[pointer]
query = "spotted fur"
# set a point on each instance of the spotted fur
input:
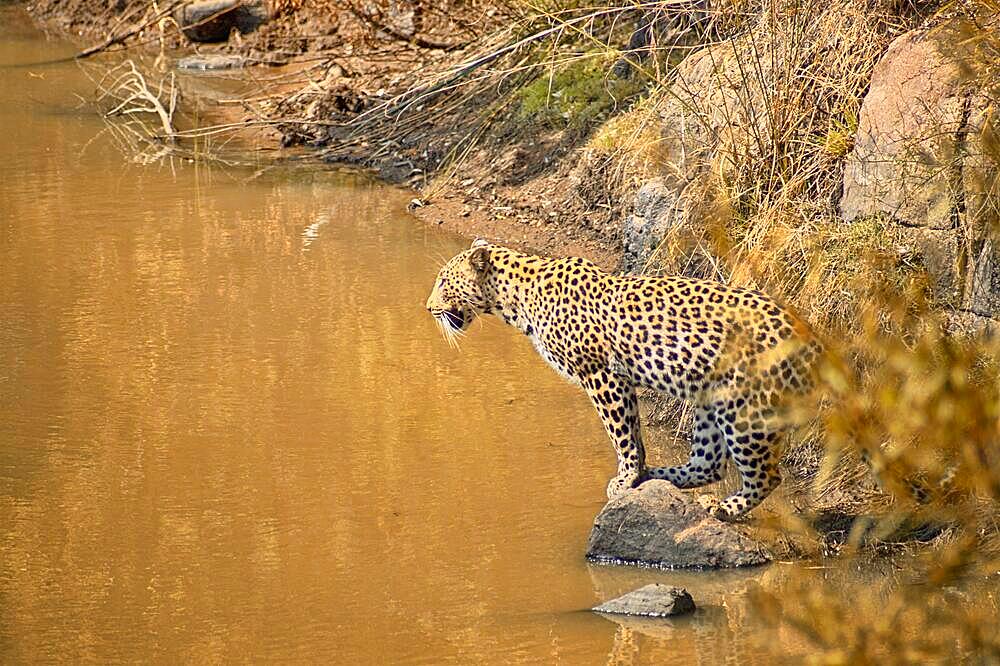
(735, 354)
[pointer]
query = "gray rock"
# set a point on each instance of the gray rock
(211, 62)
(658, 525)
(938, 251)
(664, 30)
(213, 20)
(657, 210)
(653, 600)
(969, 324)
(984, 293)
(922, 157)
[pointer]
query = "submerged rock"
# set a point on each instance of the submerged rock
(658, 525)
(653, 600)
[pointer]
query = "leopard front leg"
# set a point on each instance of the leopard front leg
(618, 408)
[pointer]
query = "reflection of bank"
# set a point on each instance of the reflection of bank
(723, 629)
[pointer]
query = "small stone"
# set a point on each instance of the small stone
(653, 600)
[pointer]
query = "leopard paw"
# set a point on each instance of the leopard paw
(713, 507)
(618, 486)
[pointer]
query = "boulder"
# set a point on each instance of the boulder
(658, 525)
(213, 20)
(717, 116)
(922, 159)
(904, 157)
(653, 600)
(710, 122)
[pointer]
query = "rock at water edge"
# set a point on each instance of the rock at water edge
(209, 63)
(658, 525)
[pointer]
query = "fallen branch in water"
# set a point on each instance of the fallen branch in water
(141, 114)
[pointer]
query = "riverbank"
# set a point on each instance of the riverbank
(319, 66)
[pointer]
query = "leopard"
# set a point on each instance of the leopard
(735, 355)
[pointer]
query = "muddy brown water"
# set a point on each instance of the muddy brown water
(230, 432)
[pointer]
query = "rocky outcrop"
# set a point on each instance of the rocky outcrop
(653, 600)
(924, 155)
(922, 159)
(658, 525)
(714, 124)
(213, 20)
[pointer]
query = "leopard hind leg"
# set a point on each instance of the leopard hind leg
(707, 461)
(754, 445)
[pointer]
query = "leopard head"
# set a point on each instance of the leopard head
(457, 296)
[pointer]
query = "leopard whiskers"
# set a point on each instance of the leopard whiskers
(450, 335)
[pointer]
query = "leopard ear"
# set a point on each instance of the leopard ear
(479, 258)
(480, 242)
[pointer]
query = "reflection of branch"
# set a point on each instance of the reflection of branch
(625, 650)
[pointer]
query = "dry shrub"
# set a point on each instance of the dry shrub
(893, 619)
